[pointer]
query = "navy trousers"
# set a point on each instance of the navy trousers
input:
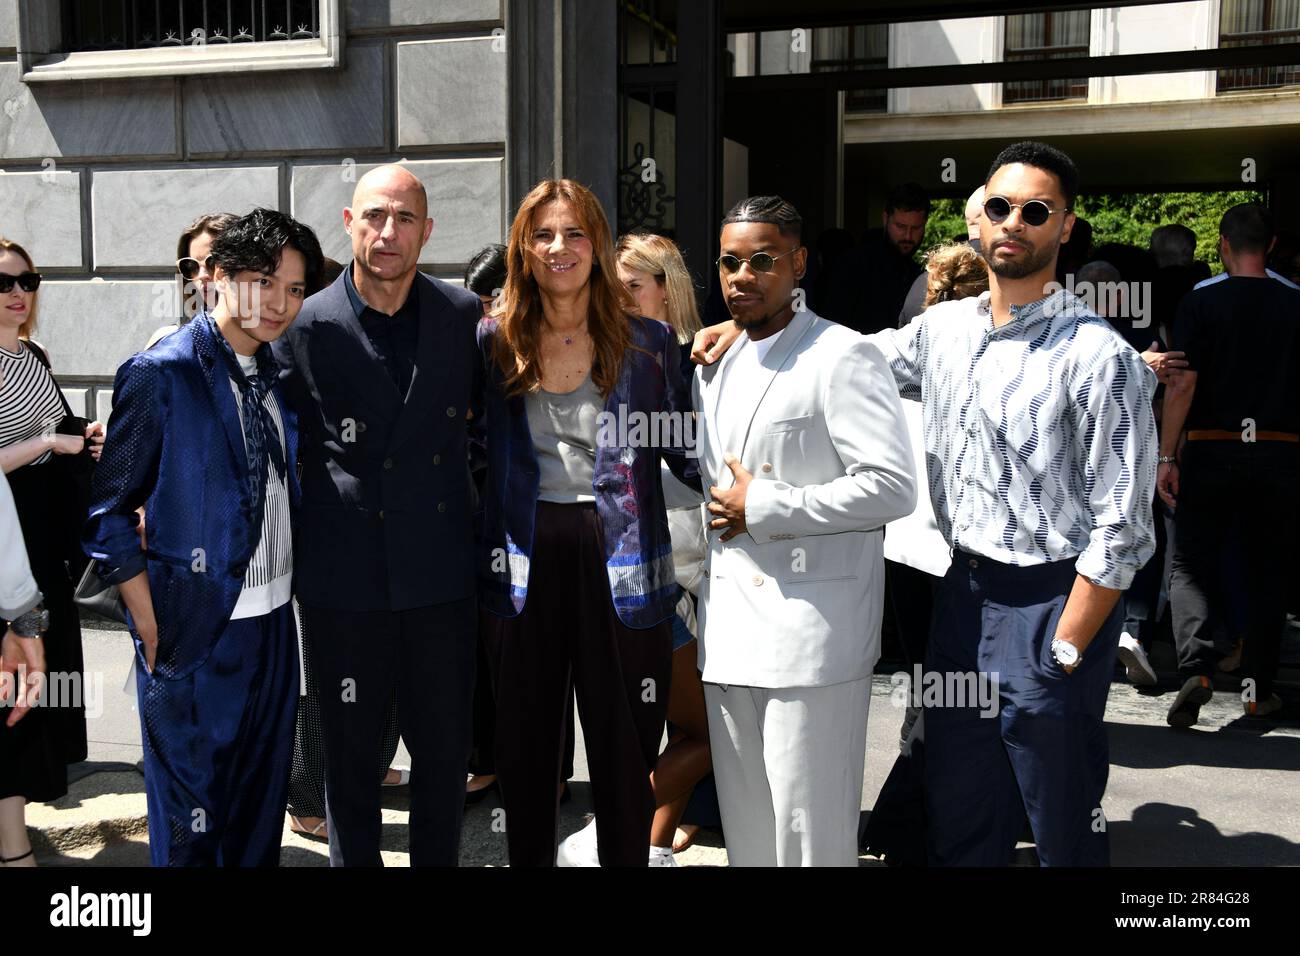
(362, 660)
(1044, 752)
(218, 747)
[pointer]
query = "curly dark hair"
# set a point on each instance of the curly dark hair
(1041, 156)
(254, 243)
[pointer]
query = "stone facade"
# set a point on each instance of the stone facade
(98, 178)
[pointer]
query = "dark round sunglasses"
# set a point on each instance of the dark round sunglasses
(189, 267)
(1032, 213)
(27, 281)
(759, 262)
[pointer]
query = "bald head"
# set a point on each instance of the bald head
(392, 179)
(389, 224)
(974, 209)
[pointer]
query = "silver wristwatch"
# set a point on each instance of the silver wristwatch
(1066, 654)
(32, 624)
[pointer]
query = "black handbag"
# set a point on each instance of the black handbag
(103, 599)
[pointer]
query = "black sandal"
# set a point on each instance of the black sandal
(14, 859)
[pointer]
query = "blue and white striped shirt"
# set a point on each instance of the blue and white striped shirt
(1040, 439)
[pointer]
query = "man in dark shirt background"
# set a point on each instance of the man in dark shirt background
(870, 281)
(1234, 484)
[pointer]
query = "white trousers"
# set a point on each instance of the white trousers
(788, 764)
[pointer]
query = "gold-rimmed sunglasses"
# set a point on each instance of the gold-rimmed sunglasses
(759, 262)
(1032, 213)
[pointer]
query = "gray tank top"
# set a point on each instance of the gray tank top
(564, 437)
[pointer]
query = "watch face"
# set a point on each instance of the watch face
(1066, 653)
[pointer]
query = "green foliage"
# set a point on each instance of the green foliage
(947, 221)
(1121, 217)
(1130, 217)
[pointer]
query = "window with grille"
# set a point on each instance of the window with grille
(1046, 36)
(144, 24)
(1255, 23)
(861, 47)
(104, 39)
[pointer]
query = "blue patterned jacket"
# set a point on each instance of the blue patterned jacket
(626, 481)
(176, 446)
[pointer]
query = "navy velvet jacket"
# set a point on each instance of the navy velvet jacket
(176, 446)
(626, 483)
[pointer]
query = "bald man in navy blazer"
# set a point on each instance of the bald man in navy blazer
(380, 367)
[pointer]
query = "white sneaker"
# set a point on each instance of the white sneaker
(1135, 662)
(662, 858)
(579, 849)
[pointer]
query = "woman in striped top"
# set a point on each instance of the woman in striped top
(35, 752)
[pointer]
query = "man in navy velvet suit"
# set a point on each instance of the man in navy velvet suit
(200, 437)
(380, 368)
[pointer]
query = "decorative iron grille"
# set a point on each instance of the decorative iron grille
(861, 47)
(93, 25)
(1258, 23)
(1046, 36)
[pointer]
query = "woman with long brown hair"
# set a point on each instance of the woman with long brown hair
(583, 400)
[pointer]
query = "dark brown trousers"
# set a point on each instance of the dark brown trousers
(570, 637)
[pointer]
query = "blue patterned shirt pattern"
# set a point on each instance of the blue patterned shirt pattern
(1040, 439)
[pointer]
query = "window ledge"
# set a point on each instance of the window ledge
(322, 53)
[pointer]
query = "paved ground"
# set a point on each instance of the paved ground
(1223, 794)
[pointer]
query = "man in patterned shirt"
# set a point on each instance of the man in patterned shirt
(1042, 446)
(1041, 451)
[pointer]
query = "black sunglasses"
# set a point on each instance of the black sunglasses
(189, 267)
(27, 281)
(759, 262)
(1032, 213)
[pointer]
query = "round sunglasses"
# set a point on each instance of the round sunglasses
(759, 262)
(1032, 213)
(189, 267)
(27, 281)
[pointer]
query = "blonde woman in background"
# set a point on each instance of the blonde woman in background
(652, 269)
(954, 271)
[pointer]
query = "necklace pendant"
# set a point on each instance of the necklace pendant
(568, 340)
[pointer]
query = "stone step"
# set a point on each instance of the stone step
(100, 810)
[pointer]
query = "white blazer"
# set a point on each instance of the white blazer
(796, 601)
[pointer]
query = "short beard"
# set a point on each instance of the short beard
(757, 324)
(764, 321)
(1018, 269)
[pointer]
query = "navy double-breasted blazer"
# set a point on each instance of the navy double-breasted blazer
(386, 522)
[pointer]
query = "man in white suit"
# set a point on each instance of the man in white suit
(805, 450)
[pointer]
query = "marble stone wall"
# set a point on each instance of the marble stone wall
(97, 179)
